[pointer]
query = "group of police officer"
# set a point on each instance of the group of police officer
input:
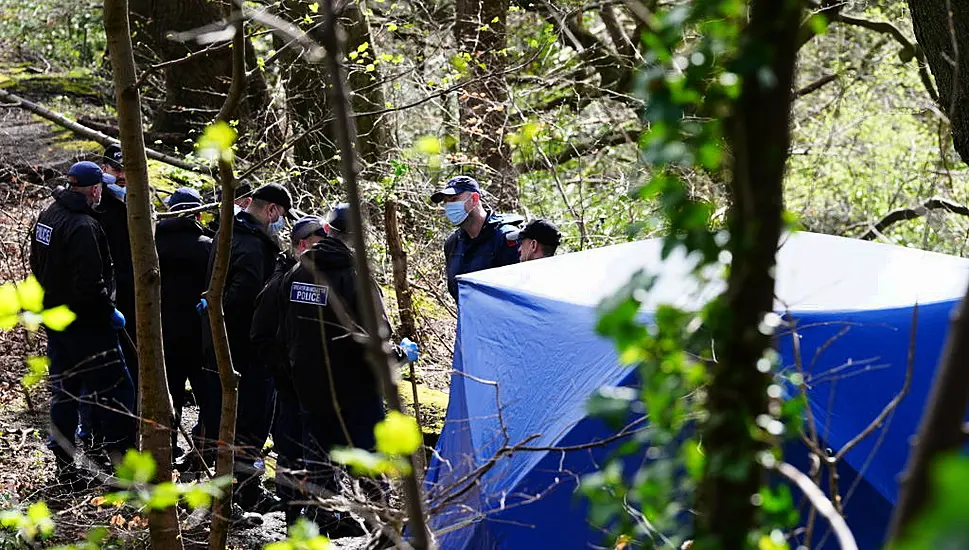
(292, 319)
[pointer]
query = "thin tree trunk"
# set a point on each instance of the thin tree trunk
(379, 359)
(155, 401)
(758, 135)
(941, 428)
(228, 377)
(479, 29)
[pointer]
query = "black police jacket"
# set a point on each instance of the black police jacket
(251, 260)
(268, 340)
(311, 295)
(70, 256)
(113, 215)
(489, 249)
(183, 257)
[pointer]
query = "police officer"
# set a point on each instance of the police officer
(538, 239)
(268, 343)
(251, 262)
(339, 394)
(183, 257)
(113, 214)
(70, 257)
(479, 242)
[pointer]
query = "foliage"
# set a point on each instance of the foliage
(66, 34)
(23, 303)
(136, 474)
(397, 436)
(942, 524)
(692, 75)
(303, 535)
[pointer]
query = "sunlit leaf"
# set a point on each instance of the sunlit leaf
(9, 302)
(428, 145)
(58, 318)
(216, 142)
(137, 467)
(314, 7)
(398, 434)
(31, 294)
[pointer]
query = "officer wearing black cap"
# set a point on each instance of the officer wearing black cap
(251, 262)
(538, 239)
(183, 258)
(70, 256)
(479, 242)
(267, 341)
(113, 214)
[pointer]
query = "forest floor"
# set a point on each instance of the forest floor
(33, 155)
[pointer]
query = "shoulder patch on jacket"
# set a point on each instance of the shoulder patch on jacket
(42, 233)
(306, 293)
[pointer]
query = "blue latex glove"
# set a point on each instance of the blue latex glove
(410, 347)
(202, 306)
(117, 320)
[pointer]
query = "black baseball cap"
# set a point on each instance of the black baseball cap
(540, 230)
(113, 157)
(306, 227)
(339, 217)
(86, 174)
(276, 194)
(183, 199)
(456, 186)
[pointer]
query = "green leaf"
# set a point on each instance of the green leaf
(391, 27)
(398, 434)
(58, 318)
(314, 7)
(163, 496)
(216, 142)
(363, 47)
(9, 302)
(370, 68)
(365, 463)
(198, 497)
(818, 23)
(39, 516)
(31, 294)
(137, 467)
(38, 369)
(428, 145)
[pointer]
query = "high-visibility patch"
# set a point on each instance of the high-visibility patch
(306, 293)
(42, 233)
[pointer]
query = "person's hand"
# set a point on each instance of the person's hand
(411, 349)
(117, 319)
(202, 306)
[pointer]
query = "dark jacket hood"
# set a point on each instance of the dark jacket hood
(183, 223)
(330, 254)
(73, 201)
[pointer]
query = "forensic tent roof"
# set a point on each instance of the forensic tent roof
(814, 273)
(527, 359)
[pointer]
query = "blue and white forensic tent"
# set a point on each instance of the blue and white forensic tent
(527, 358)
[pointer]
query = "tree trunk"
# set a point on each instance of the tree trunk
(308, 104)
(196, 90)
(945, 41)
(479, 30)
(228, 376)
(155, 401)
(377, 352)
(758, 136)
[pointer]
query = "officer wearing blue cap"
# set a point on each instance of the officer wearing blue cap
(70, 257)
(183, 258)
(480, 240)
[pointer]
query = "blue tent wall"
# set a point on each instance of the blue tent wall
(547, 360)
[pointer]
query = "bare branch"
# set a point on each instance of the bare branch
(609, 139)
(820, 503)
(903, 214)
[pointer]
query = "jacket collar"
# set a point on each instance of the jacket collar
(73, 201)
(245, 222)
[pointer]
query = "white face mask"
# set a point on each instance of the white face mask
(236, 209)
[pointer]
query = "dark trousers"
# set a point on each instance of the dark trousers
(85, 428)
(288, 440)
(182, 363)
(254, 414)
(85, 358)
(322, 431)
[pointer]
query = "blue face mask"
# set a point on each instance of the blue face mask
(277, 225)
(117, 190)
(455, 212)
